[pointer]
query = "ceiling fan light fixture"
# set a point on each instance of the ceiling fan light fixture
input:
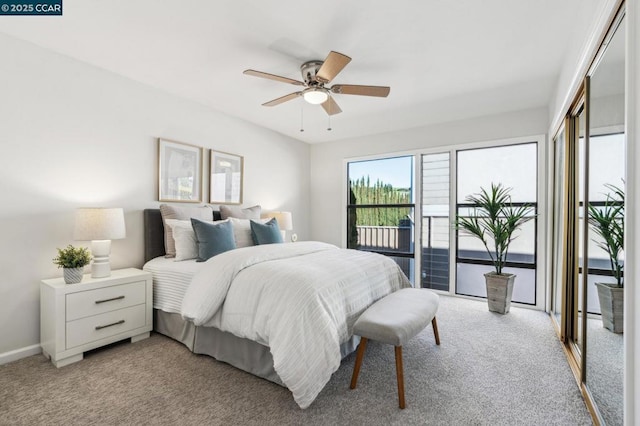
(315, 96)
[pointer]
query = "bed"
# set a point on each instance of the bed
(195, 304)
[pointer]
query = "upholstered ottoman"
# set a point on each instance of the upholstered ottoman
(396, 319)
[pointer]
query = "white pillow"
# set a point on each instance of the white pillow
(242, 231)
(184, 237)
(180, 213)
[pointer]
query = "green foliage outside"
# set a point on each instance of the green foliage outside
(72, 257)
(362, 192)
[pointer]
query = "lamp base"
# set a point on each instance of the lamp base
(101, 267)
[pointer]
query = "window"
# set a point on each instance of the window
(515, 166)
(380, 208)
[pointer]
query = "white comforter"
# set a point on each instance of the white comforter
(300, 299)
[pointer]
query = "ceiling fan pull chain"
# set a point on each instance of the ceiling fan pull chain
(329, 115)
(302, 117)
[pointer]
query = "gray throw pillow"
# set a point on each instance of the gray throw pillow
(252, 212)
(268, 233)
(212, 238)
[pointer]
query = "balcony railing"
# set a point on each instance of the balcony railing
(378, 237)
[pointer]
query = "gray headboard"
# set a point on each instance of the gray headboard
(154, 233)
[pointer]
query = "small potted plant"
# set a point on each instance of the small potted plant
(493, 220)
(72, 260)
(608, 223)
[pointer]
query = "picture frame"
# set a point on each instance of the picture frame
(225, 184)
(180, 172)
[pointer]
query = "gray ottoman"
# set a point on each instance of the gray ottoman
(395, 319)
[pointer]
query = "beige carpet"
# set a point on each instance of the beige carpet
(490, 370)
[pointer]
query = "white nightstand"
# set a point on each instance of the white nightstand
(75, 318)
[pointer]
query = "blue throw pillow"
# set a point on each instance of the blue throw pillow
(212, 238)
(267, 233)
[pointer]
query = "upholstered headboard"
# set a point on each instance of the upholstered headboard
(154, 233)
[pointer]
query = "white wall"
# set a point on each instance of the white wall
(327, 174)
(73, 135)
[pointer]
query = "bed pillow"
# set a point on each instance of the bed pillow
(180, 213)
(266, 233)
(240, 213)
(184, 239)
(242, 231)
(213, 238)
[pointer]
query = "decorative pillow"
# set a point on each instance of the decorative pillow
(180, 213)
(267, 233)
(242, 231)
(213, 238)
(240, 213)
(184, 239)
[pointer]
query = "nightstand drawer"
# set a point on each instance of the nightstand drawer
(90, 329)
(94, 302)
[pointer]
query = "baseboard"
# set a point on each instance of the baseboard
(17, 354)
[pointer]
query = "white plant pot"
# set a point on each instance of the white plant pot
(73, 275)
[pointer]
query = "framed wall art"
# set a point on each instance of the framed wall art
(179, 172)
(226, 178)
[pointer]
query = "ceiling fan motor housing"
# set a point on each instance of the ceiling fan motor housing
(309, 70)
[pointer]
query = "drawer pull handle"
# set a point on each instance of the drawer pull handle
(109, 300)
(100, 327)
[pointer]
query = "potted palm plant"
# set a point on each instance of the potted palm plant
(493, 220)
(608, 223)
(72, 260)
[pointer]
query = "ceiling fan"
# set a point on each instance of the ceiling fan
(315, 75)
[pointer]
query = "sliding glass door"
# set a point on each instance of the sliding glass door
(436, 221)
(515, 167)
(381, 210)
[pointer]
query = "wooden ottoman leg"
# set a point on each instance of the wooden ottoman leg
(359, 356)
(400, 375)
(435, 330)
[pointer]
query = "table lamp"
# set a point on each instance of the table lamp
(100, 226)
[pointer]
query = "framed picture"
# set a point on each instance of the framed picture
(179, 172)
(226, 178)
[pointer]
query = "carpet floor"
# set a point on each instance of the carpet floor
(490, 369)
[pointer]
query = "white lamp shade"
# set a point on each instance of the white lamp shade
(99, 224)
(285, 222)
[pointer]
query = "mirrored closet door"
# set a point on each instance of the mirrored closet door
(587, 273)
(604, 280)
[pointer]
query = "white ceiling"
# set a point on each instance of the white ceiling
(444, 60)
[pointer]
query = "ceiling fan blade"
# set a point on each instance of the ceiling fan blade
(334, 63)
(331, 107)
(282, 99)
(273, 77)
(354, 89)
